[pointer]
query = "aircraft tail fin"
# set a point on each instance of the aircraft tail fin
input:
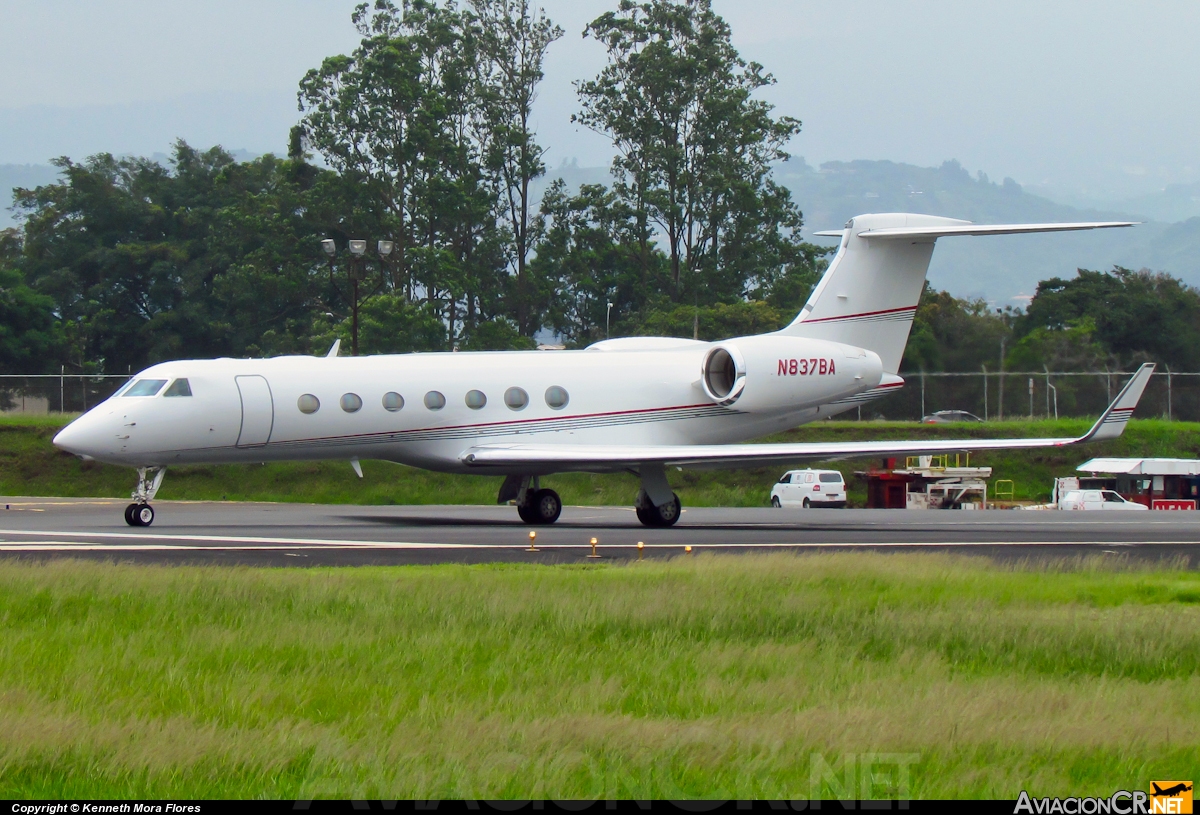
(868, 296)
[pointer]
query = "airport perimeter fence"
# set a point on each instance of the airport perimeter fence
(1170, 395)
(1037, 394)
(56, 393)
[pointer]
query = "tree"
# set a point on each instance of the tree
(1131, 315)
(430, 115)
(29, 343)
(694, 148)
(590, 253)
(206, 257)
(513, 42)
(952, 334)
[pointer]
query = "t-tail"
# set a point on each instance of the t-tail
(869, 295)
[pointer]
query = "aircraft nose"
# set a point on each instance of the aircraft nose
(79, 437)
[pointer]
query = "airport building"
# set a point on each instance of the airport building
(1158, 483)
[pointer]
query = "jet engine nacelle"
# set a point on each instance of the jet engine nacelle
(773, 372)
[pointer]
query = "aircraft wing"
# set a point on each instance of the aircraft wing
(715, 456)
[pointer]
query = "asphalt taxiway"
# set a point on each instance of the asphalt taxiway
(313, 534)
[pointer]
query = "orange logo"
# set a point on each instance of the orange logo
(1171, 797)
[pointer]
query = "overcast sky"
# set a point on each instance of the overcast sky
(1093, 97)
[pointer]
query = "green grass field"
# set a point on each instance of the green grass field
(706, 676)
(30, 465)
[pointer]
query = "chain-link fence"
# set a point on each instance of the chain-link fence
(56, 393)
(1023, 394)
(1026, 394)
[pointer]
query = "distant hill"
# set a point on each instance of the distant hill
(20, 175)
(1001, 269)
(1176, 202)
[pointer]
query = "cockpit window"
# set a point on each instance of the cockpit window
(129, 383)
(145, 387)
(179, 387)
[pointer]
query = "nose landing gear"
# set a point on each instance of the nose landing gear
(140, 513)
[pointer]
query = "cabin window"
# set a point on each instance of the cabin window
(476, 399)
(179, 387)
(145, 387)
(516, 398)
(392, 401)
(308, 403)
(434, 400)
(557, 397)
(351, 402)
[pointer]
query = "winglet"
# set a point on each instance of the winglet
(333, 351)
(1112, 422)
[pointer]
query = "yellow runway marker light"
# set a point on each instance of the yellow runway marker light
(593, 554)
(532, 541)
(687, 549)
(641, 546)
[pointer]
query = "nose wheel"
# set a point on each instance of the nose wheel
(139, 514)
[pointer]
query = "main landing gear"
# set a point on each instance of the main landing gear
(541, 507)
(656, 504)
(140, 513)
(536, 506)
(650, 515)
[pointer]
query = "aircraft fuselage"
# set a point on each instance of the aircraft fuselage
(425, 409)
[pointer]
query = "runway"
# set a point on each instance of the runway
(264, 534)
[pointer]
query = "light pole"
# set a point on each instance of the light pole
(355, 269)
(1000, 408)
(357, 250)
(607, 312)
(385, 251)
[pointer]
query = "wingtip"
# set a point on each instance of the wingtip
(1112, 421)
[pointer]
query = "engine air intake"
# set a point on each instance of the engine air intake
(723, 375)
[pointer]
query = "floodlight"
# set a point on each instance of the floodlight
(329, 246)
(385, 248)
(358, 248)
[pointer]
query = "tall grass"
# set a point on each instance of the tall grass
(706, 676)
(30, 465)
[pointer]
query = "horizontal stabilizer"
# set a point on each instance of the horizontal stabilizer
(973, 229)
(601, 458)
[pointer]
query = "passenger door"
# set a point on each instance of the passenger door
(258, 411)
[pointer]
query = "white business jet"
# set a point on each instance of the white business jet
(639, 404)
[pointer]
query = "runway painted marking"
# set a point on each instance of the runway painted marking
(219, 539)
(284, 544)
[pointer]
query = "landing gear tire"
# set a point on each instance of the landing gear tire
(543, 508)
(666, 515)
(139, 514)
(775, 502)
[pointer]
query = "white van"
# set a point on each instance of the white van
(809, 488)
(1096, 499)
